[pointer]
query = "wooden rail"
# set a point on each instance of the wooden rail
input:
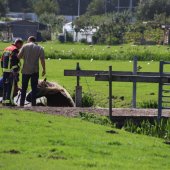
(161, 77)
(133, 78)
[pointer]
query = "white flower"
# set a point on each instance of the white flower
(130, 61)
(59, 59)
(48, 58)
(91, 60)
(148, 63)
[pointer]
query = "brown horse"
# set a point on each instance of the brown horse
(56, 95)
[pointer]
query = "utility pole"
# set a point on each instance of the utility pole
(131, 5)
(78, 8)
(118, 6)
(105, 6)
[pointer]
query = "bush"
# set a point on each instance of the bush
(83, 40)
(69, 37)
(46, 35)
(113, 41)
(94, 39)
(158, 129)
(61, 38)
(87, 100)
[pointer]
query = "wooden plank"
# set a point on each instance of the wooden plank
(135, 65)
(133, 78)
(110, 92)
(92, 73)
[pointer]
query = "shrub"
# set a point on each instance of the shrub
(87, 99)
(61, 38)
(46, 35)
(149, 104)
(83, 40)
(69, 37)
(158, 129)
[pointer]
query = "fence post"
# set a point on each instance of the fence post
(78, 91)
(160, 92)
(110, 92)
(135, 64)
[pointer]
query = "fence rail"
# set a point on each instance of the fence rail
(161, 77)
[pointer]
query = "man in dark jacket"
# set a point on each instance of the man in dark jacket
(10, 68)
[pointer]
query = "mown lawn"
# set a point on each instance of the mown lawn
(145, 92)
(55, 70)
(32, 141)
(99, 90)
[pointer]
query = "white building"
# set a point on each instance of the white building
(82, 34)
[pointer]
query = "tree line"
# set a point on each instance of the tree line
(113, 25)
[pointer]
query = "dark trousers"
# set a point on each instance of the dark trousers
(34, 82)
(8, 88)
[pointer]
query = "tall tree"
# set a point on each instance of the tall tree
(147, 9)
(97, 7)
(48, 6)
(2, 8)
(20, 5)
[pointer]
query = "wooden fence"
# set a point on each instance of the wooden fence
(123, 76)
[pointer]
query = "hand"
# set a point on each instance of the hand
(43, 73)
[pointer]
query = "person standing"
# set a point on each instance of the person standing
(10, 68)
(31, 53)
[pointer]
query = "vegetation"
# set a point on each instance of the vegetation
(158, 129)
(39, 141)
(122, 92)
(87, 52)
(147, 9)
(54, 50)
(2, 8)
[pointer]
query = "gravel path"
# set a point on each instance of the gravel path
(71, 112)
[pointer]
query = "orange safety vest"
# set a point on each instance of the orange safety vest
(6, 59)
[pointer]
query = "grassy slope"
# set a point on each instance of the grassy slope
(50, 142)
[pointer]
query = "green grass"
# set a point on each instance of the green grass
(145, 92)
(102, 52)
(32, 141)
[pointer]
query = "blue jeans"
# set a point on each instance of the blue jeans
(34, 82)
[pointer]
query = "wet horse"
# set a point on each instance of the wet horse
(56, 95)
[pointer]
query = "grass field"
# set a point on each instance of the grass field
(145, 92)
(32, 141)
(55, 71)
(102, 52)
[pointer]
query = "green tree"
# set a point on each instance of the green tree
(147, 9)
(97, 7)
(48, 6)
(53, 20)
(3, 8)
